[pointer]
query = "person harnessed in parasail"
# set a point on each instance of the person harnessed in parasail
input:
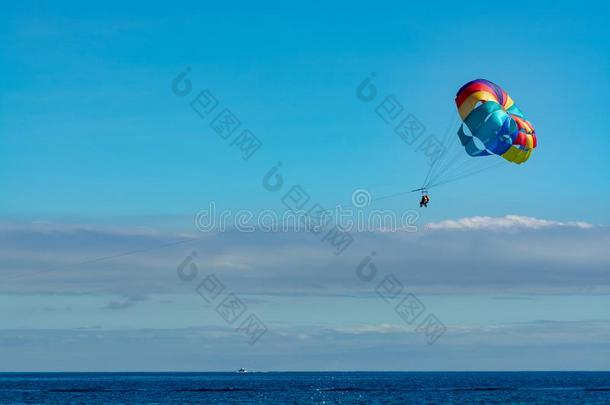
(424, 201)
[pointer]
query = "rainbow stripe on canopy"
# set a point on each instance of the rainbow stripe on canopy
(496, 125)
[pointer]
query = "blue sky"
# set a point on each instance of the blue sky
(98, 157)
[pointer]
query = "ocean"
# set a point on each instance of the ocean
(307, 388)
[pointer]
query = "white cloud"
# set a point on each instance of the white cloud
(504, 223)
(381, 328)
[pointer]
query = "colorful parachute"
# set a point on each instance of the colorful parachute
(496, 124)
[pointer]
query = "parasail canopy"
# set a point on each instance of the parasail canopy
(496, 126)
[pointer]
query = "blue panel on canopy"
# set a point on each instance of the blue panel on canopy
(470, 145)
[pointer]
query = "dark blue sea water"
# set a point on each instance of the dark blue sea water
(307, 388)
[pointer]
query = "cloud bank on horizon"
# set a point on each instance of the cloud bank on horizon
(511, 253)
(94, 292)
